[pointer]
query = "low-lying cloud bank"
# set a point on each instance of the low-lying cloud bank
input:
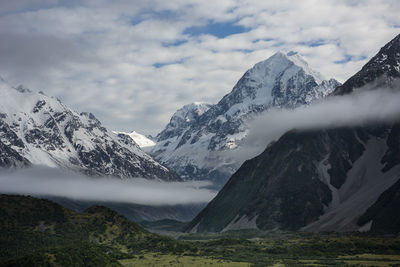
(357, 109)
(41, 181)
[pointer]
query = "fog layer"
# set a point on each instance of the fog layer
(41, 181)
(361, 108)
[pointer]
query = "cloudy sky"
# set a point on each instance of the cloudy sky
(133, 63)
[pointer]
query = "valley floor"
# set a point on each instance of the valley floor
(39, 232)
(160, 260)
(154, 259)
(278, 249)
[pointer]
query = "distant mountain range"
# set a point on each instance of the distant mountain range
(39, 130)
(196, 141)
(339, 179)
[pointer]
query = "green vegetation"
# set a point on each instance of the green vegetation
(156, 260)
(165, 225)
(36, 232)
(77, 254)
(372, 260)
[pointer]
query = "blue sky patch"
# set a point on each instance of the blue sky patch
(278, 44)
(348, 58)
(313, 43)
(246, 51)
(262, 40)
(136, 20)
(219, 30)
(176, 43)
(150, 14)
(159, 65)
(162, 64)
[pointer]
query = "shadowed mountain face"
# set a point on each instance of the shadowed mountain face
(39, 130)
(383, 216)
(319, 180)
(196, 141)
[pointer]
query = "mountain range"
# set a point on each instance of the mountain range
(200, 139)
(332, 179)
(339, 179)
(36, 129)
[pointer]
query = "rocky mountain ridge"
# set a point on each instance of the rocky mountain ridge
(36, 129)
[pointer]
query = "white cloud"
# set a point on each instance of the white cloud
(99, 55)
(362, 108)
(41, 181)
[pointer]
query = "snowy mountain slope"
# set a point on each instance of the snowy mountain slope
(338, 179)
(196, 146)
(142, 141)
(39, 130)
(182, 119)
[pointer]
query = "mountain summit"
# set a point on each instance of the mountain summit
(196, 139)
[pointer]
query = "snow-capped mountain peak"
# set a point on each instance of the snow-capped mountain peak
(281, 61)
(141, 140)
(191, 111)
(283, 80)
(196, 134)
(300, 61)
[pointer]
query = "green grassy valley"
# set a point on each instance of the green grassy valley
(38, 232)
